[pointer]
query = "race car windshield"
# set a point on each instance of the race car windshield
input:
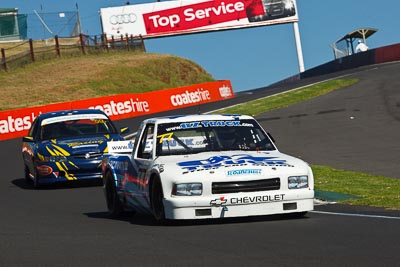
(76, 128)
(203, 136)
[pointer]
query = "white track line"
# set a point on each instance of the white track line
(356, 215)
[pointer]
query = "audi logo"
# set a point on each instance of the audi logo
(122, 18)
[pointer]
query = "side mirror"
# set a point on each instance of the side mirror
(124, 130)
(27, 139)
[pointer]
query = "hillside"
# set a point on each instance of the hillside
(90, 76)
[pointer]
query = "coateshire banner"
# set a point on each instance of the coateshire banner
(16, 123)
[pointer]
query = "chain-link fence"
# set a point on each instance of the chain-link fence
(38, 25)
(43, 26)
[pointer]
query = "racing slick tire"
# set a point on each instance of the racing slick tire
(156, 198)
(35, 178)
(36, 184)
(30, 180)
(114, 204)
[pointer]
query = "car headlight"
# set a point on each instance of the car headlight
(56, 159)
(297, 182)
(189, 189)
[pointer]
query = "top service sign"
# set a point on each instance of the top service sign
(182, 17)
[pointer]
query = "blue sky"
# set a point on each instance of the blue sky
(254, 57)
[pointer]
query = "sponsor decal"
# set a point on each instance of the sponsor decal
(256, 199)
(225, 91)
(44, 170)
(192, 142)
(199, 124)
(16, 124)
(202, 14)
(220, 123)
(171, 144)
(123, 18)
(190, 16)
(241, 159)
(219, 202)
(190, 97)
(125, 146)
(98, 118)
(166, 135)
(118, 108)
(85, 143)
(244, 172)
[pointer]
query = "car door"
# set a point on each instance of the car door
(144, 156)
(142, 161)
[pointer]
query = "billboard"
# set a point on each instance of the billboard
(192, 16)
(16, 123)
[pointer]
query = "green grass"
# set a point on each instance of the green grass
(286, 99)
(372, 190)
(88, 76)
(369, 189)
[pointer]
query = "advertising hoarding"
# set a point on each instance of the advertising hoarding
(16, 123)
(192, 16)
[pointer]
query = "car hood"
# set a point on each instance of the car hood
(77, 146)
(233, 163)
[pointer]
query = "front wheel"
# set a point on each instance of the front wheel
(114, 204)
(31, 179)
(157, 197)
(36, 183)
(27, 174)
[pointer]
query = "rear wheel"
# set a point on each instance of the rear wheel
(157, 197)
(114, 204)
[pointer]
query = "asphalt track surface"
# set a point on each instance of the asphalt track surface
(354, 128)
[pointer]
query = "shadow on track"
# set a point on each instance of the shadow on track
(148, 220)
(23, 184)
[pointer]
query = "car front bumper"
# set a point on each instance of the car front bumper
(239, 205)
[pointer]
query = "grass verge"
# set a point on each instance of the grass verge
(371, 190)
(89, 76)
(286, 99)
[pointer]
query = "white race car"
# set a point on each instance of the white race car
(202, 167)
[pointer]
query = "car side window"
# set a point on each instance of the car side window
(146, 143)
(34, 129)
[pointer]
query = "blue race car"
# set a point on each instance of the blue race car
(68, 145)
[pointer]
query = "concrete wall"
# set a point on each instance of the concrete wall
(372, 56)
